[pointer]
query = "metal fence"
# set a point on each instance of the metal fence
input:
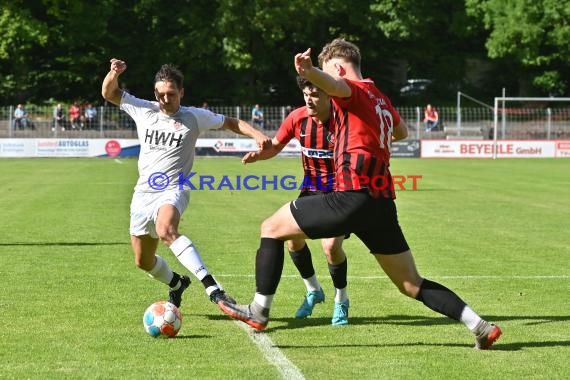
(455, 123)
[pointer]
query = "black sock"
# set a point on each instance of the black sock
(175, 279)
(438, 298)
(269, 265)
(338, 274)
(209, 281)
(303, 261)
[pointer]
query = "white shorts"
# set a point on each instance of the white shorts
(144, 209)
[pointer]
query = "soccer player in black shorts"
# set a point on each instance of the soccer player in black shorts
(309, 125)
(364, 121)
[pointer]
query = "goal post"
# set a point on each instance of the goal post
(541, 123)
(480, 114)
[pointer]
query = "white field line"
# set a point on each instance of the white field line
(272, 354)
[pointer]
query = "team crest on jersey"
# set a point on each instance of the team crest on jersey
(330, 137)
(177, 125)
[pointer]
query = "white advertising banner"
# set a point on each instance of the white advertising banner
(68, 147)
(484, 149)
(17, 147)
(241, 145)
(563, 149)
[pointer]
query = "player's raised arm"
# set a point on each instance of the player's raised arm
(110, 88)
(244, 128)
(265, 154)
(331, 85)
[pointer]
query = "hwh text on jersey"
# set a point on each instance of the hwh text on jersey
(163, 138)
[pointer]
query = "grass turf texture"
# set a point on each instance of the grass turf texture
(72, 302)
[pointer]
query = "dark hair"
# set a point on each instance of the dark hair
(304, 83)
(340, 48)
(169, 73)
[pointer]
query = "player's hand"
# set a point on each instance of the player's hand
(303, 62)
(118, 66)
(250, 157)
(264, 142)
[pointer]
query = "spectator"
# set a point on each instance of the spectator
(206, 106)
(257, 116)
(20, 118)
(90, 115)
(75, 116)
(431, 118)
(58, 118)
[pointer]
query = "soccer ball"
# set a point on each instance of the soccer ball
(162, 318)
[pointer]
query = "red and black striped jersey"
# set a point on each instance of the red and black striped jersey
(316, 148)
(363, 125)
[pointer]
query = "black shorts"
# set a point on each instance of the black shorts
(318, 192)
(374, 221)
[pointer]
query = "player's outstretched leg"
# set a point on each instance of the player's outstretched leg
(486, 334)
(268, 269)
(253, 314)
(188, 255)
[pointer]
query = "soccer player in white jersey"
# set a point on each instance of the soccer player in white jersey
(167, 133)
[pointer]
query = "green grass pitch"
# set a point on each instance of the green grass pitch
(496, 232)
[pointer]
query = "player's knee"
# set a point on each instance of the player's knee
(269, 228)
(166, 234)
(295, 245)
(333, 251)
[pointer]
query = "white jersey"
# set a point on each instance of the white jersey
(167, 142)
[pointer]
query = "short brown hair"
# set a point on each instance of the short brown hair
(170, 73)
(340, 48)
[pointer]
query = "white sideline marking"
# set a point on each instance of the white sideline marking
(272, 354)
(118, 161)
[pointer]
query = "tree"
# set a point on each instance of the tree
(534, 34)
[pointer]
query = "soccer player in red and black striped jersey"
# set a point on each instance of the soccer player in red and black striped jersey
(309, 125)
(363, 123)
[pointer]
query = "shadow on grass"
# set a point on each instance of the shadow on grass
(518, 346)
(409, 320)
(63, 244)
(190, 336)
(403, 320)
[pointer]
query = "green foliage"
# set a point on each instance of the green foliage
(536, 34)
(240, 51)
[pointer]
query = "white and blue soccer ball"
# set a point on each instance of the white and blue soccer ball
(162, 318)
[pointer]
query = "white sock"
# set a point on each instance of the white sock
(470, 318)
(188, 255)
(161, 271)
(264, 301)
(312, 284)
(341, 295)
(211, 289)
